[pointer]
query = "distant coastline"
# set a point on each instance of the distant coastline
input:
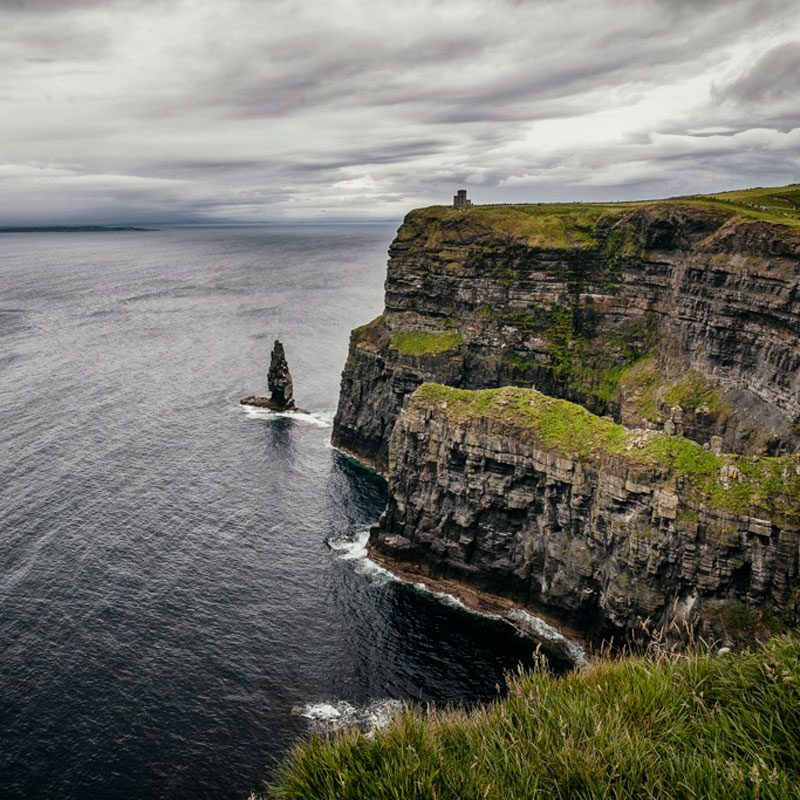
(74, 229)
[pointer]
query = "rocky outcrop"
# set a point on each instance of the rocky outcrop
(632, 311)
(678, 319)
(539, 500)
(279, 378)
(279, 381)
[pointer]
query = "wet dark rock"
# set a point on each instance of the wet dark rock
(666, 316)
(279, 381)
(602, 542)
(697, 292)
(279, 378)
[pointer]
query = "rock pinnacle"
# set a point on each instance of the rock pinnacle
(279, 378)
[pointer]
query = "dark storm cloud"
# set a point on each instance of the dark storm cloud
(774, 76)
(766, 92)
(252, 109)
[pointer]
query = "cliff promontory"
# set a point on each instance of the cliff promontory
(646, 466)
(539, 499)
(632, 310)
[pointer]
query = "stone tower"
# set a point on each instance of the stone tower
(460, 199)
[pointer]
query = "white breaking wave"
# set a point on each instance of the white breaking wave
(355, 550)
(318, 420)
(326, 717)
(450, 600)
(531, 624)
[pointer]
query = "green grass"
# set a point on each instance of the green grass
(694, 726)
(653, 393)
(543, 225)
(769, 484)
(575, 225)
(694, 391)
(369, 333)
(423, 343)
(642, 383)
(779, 204)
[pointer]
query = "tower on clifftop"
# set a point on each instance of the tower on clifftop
(460, 199)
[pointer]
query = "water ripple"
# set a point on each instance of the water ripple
(167, 597)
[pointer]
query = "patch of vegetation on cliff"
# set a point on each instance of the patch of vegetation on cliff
(587, 365)
(688, 726)
(593, 367)
(370, 333)
(695, 391)
(640, 385)
(623, 245)
(646, 387)
(575, 226)
(545, 226)
(424, 343)
(729, 482)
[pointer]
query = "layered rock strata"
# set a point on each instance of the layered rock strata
(641, 312)
(539, 500)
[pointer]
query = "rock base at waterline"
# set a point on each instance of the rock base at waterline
(559, 643)
(260, 401)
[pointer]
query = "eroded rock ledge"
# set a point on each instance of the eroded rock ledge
(539, 500)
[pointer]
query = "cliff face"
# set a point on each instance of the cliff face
(540, 500)
(678, 319)
(678, 314)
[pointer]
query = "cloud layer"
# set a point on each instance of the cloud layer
(250, 110)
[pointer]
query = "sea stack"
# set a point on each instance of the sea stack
(279, 379)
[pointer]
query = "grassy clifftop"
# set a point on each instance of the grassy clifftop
(575, 225)
(776, 204)
(769, 483)
(690, 726)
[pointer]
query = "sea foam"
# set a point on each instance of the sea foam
(329, 716)
(354, 549)
(322, 420)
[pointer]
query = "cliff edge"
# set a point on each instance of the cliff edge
(538, 499)
(674, 328)
(631, 310)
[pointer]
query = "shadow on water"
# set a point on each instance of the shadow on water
(425, 647)
(278, 440)
(357, 494)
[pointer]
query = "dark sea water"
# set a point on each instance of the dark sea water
(170, 607)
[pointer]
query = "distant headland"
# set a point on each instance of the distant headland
(74, 229)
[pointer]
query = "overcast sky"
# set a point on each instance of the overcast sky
(249, 110)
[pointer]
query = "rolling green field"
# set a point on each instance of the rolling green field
(780, 204)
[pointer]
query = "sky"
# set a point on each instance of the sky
(134, 111)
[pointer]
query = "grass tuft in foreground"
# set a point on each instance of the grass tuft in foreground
(692, 726)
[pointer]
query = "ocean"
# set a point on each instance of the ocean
(184, 587)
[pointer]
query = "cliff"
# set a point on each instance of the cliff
(538, 499)
(647, 467)
(629, 309)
